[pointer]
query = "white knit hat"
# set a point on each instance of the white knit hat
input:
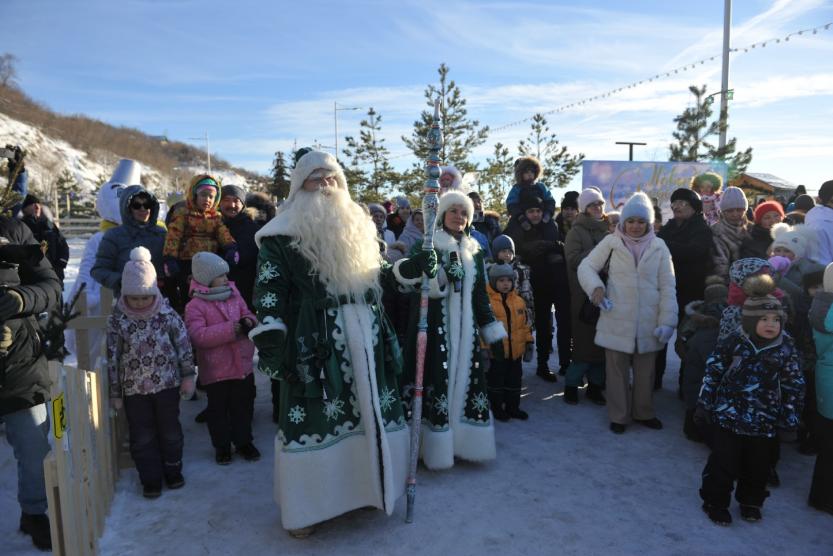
(589, 196)
(309, 163)
(796, 239)
(639, 206)
(733, 198)
(139, 275)
(206, 266)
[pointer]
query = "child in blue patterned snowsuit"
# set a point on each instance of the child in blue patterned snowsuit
(753, 388)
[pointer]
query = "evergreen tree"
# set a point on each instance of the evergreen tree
(498, 178)
(460, 134)
(369, 150)
(559, 166)
(693, 130)
(279, 183)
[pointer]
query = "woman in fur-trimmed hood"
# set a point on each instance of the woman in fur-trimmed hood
(456, 416)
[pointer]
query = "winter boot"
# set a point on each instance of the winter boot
(515, 412)
(545, 372)
(37, 527)
(690, 428)
(175, 481)
(720, 516)
(500, 413)
(773, 479)
(249, 452)
(750, 513)
(152, 491)
(594, 394)
(222, 456)
(202, 416)
(571, 395)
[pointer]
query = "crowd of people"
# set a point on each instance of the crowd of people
(327, 292)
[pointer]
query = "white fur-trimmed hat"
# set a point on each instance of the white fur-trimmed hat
(455, 173)
(450, 198)
(309, 163)
(795, 238)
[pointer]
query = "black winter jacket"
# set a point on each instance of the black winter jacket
(243, 228)
(57, 250)
(24, 379)
(690, 243)
(540, 248)
(757, 245)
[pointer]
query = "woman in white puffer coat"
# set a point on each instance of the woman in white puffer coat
(639, 310)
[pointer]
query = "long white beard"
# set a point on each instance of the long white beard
(339, 240)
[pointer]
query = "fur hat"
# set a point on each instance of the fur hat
(715, 291)
(795, 238)
(234, 191)
(139, 276)
(570, 200)
(689, 196)
(759, 301)
(454, 197)
(501, 270)
(589, 196)
(733, 198)
(502, 242)
(638, 206)
(309, 162)
(205, 267)
(827, 281)
(826, 192)
(527, 164)
(710, 178)
(768, 206)
(457, 183)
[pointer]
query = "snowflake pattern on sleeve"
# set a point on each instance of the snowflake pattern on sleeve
(267, 272)
(269, 300)
(297, 414)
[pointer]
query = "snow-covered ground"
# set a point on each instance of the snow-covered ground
(562, 484)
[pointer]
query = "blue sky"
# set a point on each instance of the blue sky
(258, 76)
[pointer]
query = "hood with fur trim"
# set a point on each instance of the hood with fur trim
(192, 192)
(526, 163)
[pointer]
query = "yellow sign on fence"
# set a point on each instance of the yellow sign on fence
(59, 424)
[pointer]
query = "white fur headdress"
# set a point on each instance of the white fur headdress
(454, 197)
(797, 239)
(309, 163)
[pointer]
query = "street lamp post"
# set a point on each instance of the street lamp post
(630, 145)
(724, 83)
(336, 110)
(207, 149)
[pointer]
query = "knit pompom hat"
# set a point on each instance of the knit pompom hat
(768, 206)
(827, 281)
(638, 206)
(795, 238)
(733, 198)
(502, 242)
(589, 196)
(501, 270)
(139, 275)
(760, 302)
(715, 291)
(205, 267)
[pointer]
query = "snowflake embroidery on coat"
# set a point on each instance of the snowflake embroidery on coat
(480, 402)
(386, 399)
(268, 271)
(304, 374)
(441, 405)
(297, 414)
(265, 369)
(333, 408)
(269, 300)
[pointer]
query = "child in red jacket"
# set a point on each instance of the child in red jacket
(218, 321)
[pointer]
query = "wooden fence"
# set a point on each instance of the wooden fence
(74, 227)
(89, 442)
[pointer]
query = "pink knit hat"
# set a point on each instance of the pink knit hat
(589, 196)
(139, 276)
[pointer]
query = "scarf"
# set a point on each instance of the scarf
(636, 245)
(140, 314)
(219, 293)
(411, 234)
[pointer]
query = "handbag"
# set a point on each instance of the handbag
(589, 313)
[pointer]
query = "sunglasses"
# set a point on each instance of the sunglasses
(137, 205)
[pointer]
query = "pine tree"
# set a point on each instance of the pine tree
(498, 178)
(693, 130)
(559, 165)
(279, 183)
(460, 134)
(370, 150)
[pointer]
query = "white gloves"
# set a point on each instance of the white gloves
(663, 334)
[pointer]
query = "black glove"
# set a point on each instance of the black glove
(10, 304)
(702, 416)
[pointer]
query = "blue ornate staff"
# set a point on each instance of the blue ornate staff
(429, 215)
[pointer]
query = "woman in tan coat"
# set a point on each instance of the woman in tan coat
(588, 229)
(640, 312)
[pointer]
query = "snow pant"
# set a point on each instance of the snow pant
(230, 411)
(545, 299)
(821, 490)
(736, 457)
(623, 400)
(27, 431)
(595, 373)
(504, 382)
(276, 399)
(155, 435)
(176, 287)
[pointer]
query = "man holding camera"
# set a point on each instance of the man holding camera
(28, 286)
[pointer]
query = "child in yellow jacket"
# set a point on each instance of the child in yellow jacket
(505, 371)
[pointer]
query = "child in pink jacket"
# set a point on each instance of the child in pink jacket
(218, 321)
